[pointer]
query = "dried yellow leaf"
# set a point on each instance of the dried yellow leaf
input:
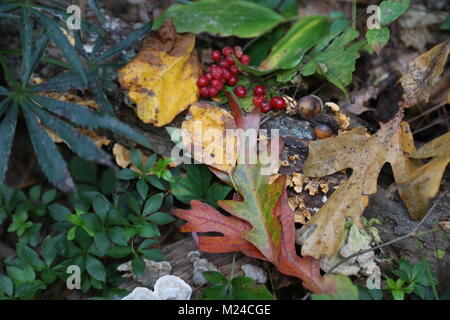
(162, 78)
(204, 136)
(424, 182)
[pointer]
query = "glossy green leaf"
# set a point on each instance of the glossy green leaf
(102, 242)
(225, 18)
(6, 285)
(160, 218)
(244, 288)
(26, 37)
(289, 50)
(142, 188)
(117, 235)
(101, 206)
(138, 265)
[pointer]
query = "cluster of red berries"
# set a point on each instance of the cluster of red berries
(260, 100)
(223, 72)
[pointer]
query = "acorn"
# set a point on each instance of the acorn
(322, 131)
(309, 105)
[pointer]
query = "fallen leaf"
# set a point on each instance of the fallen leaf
(365, 155)
(424, 182)
(418, 80)
(204, 136)
(261, 224)
(162, 78)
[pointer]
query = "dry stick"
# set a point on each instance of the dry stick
(413, 233)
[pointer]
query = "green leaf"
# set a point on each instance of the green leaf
(118, 48)
(48, 250)
(29, 256)
(117, 235)
(65, 81)
(392, 9)
(7, 130)
(288, 8)
(142, 188)
(148, 230)
(378, 38)
(153, 203)
(71, 233)
(6, 285)
(138, 265)
(95, 268)
(49, 276)
(101, 206)
(35, 193)
(345, 289)
(86, 117)
(152, 254)
(97, 11)
(133, 203)
(154, 181)
(215, 277)
(127, 174)
(136, 158)
(289, 50)
(38, 51)
(49, 158)
(83, 170)
(49, 196)
(147, 243)
(446, 25)
(398, 294)
(225, 18)
(244, 288)
(217, 292)
(81, 144)
(118, 252)
(26, 37)
(58, 212)
(55, 34)
(335, 58)
(160, 218)
(102, 243)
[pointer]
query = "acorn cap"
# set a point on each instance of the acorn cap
(309, 105)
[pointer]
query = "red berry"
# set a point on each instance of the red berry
(217, 73)
(238, 52)
(258, 100)
(245, 59)
(223, 64)
(234, 69)
(204, 92)
(226, 74)
(233, 80)
(212, 91)
(240, 91)
(227, 51)
(216, 55)
(265, 106)
(202, 81)
(278, 103)
(209, 76)
(259, 90)
(217, 84)
(229, 60)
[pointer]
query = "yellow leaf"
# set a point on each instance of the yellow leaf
(162, 78)
(424, 182)
(417, 82)
(365, 155)
(204, 136)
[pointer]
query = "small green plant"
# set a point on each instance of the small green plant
(239, 288)
(413, 278)
(61, 117)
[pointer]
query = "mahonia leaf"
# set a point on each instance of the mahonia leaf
(365, 155)
(424, 182)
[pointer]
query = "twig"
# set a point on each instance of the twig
(413, 233)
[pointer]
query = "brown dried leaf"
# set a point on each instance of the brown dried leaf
(424, 182)
(417, 82)
(366, 155)
(162, 78)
